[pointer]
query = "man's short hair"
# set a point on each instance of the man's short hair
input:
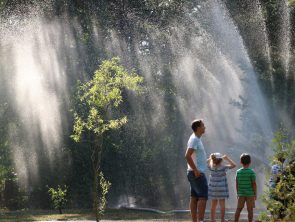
(196, 124)
(245, 158)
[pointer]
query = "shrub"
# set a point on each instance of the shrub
(280, 199)
(58, 197)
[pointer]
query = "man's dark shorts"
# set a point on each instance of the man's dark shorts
(199, 185)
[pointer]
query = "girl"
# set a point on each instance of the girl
(218, 188)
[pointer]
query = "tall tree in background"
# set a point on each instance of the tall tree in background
(94, 114)
(2, 4)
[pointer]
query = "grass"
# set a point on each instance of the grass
(43, 215)
(110, 214)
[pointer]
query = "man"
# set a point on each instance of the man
(197, 164)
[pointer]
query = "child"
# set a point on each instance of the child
(246, 187)
(218, 189)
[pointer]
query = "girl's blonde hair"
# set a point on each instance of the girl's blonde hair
(214, 161)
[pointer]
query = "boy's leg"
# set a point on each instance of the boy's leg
(213, 209)
(237, 214)
(222, 209)
(193, 208)
(250, 214)
(250, 205)
(241, 202)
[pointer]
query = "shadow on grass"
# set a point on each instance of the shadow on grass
(110, 214)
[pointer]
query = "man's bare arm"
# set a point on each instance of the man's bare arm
(189, 160)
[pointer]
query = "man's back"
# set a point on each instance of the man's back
(199, 156)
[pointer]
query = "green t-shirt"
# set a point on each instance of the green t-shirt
(245, 177)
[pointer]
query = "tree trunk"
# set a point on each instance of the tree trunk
(96, 157)
(95, 196)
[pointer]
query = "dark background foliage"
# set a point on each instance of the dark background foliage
(143, 167)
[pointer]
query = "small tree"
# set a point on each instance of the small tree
(280, 200)
(93, 116)
(58, 197)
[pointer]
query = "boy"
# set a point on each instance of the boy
(246, 187)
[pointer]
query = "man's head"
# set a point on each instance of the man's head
(198, 127)
(245, 159)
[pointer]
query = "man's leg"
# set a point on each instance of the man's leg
(193, 208)
(199, 189)
(201, 208)
(213, 210)
(222, 209)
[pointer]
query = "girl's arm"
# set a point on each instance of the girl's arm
(209, 163)
(232, 164)
(208, 160)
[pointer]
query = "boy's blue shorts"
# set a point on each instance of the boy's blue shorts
(199, 185)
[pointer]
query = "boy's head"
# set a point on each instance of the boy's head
(245, 159)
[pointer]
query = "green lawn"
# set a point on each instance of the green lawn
(118, 215)
(38, 215)
(42, 215)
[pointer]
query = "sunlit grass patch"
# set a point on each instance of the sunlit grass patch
(44, 215)
(119, 215)
(110, 214)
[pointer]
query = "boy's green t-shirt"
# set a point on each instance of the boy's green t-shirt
(244, 178)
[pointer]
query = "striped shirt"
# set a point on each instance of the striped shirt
(245, 178)
(218, 188)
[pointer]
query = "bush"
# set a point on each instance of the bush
(280, 199)
(58, 197)
(12, 196)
